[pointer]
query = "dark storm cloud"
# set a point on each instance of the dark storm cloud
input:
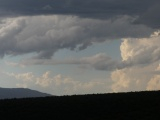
(45, 35)
(146, 10)
(78, 24)
(78, 7)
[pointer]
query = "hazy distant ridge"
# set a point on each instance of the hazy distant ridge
(6, 93)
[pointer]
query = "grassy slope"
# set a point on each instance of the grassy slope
(121, 106)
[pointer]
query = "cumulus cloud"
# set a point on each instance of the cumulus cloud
(145, 10)
(158, 68)
(24, 76)
(59, 84)
(47, 34)
(121, 81)
(140, 58)
(69, 85)
(154, 83)
(141, 51)
(44, 81)
(131, 79)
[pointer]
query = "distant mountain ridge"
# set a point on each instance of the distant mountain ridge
(8, 93)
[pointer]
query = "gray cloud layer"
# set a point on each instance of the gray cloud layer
(134, 52)
(147, 11)
(99, 62)
(115, 19)
(47, 34)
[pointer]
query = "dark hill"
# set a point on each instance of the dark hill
(7, 93)
(121, 106)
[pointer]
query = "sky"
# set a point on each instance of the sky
(66, 47)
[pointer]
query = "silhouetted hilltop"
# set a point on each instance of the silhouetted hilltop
(120, 106)
(7, 93)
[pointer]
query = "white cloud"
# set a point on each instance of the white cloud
(59, 84)
(140, 58)
(141, 51)
(131, 79)
(26, 77)
(158, 68)
(121, 81)
(44, 80)
(154, 83)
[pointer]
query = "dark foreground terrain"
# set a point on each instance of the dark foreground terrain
(121, 106)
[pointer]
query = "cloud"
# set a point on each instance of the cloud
(145, 10)
(45, 35)
(67, 85)
(99, 62)
(151, 17)
(26, 77)
(131, 79)
(158, 68)
(134, 52)
(44, 81)
(140, 68)
(141, 51)
(14, 64)
(59, 84)
(121, 81)
(154, 83)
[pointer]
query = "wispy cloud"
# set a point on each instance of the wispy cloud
(14, 64)
(99, 62)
